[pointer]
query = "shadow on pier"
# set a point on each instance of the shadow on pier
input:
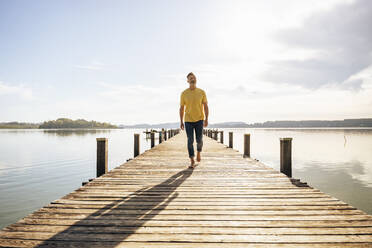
(131, 222)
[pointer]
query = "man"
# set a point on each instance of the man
(194, 99)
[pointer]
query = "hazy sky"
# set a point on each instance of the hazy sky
(126, 62)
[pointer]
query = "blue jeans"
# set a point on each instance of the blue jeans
(190, 126)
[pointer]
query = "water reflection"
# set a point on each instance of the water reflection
(342, 181)
(76, 132)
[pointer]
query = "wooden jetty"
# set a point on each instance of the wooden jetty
(228, 200)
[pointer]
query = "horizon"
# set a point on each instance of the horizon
(214, 123)
(126, 62)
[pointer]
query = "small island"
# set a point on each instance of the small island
(58, 123)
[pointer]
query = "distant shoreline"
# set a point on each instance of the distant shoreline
(272, 128)
(65, 123)
(365, 122)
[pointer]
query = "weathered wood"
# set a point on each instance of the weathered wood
(136, 144)
(152, 139)
(221, 137)
(215, 135)
(102, 153)
(154, 200)
(230, 139)
(137, 244)
(247, 145)
(189, 230)
(286, 156)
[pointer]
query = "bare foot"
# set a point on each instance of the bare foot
(192, 165)
(198, 158)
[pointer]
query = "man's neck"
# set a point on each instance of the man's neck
(192, 88)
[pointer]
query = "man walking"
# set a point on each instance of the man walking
(194, 99)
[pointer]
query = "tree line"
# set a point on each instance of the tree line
(79, 123)
(58, 123)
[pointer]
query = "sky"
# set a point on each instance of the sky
(125, 62)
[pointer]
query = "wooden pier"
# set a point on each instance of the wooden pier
(228, 200)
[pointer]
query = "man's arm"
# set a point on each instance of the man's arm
(182, 107)
(206, 112)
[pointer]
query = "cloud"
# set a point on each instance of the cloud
(19, 90)
(340, 41)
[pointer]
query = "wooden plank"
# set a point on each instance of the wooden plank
(203, 207)
(280, 212)
(199, 223)
(252, 202)
(154, 214)
(223, 238)
(190, 230)
(108, 244)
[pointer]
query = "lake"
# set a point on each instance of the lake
(38, 166)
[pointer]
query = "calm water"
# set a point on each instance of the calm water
(39, 166)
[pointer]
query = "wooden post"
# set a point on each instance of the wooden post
(215, 134)
(136, 144)
(230, 139)
(102, 152)
(286, 156)
(221, 137)
(247, 144)
(165, 135)
(152, 139)
(160, 138)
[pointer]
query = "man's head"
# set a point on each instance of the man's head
(191, 79)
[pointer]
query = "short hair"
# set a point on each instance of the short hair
(190, 75)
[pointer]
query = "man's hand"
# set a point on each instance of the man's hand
(182, 108)
(205, 123)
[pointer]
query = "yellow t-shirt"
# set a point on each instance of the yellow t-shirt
(193, 100)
